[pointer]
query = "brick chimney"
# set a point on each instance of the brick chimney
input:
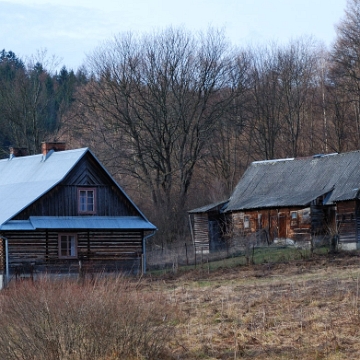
(17, 152)
(48, 146)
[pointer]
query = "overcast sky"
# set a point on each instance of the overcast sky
(70, 29)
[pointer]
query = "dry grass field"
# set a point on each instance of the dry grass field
(305, 309)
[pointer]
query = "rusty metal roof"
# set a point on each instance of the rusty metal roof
(297, 182)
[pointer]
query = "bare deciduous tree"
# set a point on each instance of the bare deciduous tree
(346, 59)
(154, 102)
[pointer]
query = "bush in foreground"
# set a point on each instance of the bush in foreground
(105, 319)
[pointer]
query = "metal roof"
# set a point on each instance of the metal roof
(80, 222)
(296, 182)
(25, 179)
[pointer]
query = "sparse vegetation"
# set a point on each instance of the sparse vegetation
(303, 308)
(105, 319)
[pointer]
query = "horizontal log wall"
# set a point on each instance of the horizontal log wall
(40, 248)
(276, 222)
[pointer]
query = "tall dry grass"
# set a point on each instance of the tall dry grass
(105, 319)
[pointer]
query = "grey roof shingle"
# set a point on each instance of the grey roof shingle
(209, 207)
(296, 182)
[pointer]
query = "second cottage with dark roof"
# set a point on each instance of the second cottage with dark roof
(301, 199)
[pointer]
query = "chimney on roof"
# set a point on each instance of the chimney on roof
(17, 152)
(46, 147)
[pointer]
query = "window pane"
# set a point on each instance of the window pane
(72, 245)
(246, 221)
(87, 201)
(82, 198)
(63, 245)
(90, 200)
(67, 246)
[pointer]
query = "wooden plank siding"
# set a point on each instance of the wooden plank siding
(201, 231)
(40, 248)
(112, 249)
(277, 223)
(347, 220)
(63, 199)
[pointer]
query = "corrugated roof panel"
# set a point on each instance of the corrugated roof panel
(17, 225)
(24, 179)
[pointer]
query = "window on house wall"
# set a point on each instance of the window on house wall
(67, 246)
(86, 201)
(246, 222)
(294, 218)
(260, 221)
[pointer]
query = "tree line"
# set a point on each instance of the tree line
(177, 117)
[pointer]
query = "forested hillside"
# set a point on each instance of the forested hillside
(177, 117)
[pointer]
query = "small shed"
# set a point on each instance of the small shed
(208, 226)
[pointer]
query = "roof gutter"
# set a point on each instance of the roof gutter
(7, 271)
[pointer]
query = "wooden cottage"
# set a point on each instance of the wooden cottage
(302, 200)
(61, 210)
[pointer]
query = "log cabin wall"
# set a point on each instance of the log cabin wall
(300, 224)
(106, 249)
(291, 223)
(347, 219)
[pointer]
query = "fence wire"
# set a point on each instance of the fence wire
(172, 256)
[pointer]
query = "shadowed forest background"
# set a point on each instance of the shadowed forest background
(176, 117)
